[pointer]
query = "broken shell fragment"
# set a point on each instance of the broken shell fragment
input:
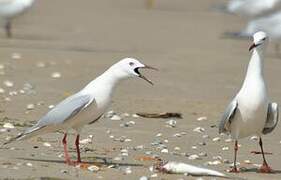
(8, 126)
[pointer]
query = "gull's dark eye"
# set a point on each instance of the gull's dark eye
(131, 63)
(264, 39)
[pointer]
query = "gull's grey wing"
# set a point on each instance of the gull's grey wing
(62, 112)
(272, 118)
(228, 115)
(65, 110)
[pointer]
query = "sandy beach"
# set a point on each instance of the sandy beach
(199, 73)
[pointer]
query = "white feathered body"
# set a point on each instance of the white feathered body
(252, 102)
(12, 8)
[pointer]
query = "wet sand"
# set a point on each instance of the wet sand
(199, 73)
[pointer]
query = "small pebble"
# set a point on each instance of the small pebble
(228, 140)
(40, 64)
(29, 164)
(159, 135)
(8, 83)
(203, 118)
(217, 162)
(116, 118)
(51, 106)
(216, 139)
(171, 123)
(164, 151)
(225, 148)
(93, 168)
(85, 141)
(193, 157)
(47, 144)
(8, 126)
(154, 175)
(247, 161)
(199, 130)
(30, 106)
(56, 75)
(254, 138)
(2, 91)
(135, 116)
(193, 147)
(143, 178)
(202, 154)
(16, 56)
(128, 170)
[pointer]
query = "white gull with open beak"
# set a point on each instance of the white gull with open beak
(86, 106)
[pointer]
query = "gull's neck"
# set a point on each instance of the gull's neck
(255, 67)
(106, 82)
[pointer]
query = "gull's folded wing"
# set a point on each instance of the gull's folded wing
(228, 115)
(272, 118)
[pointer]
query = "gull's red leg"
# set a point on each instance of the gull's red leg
(264, 168)
(235, 169)
(78, 149)
(66, 155)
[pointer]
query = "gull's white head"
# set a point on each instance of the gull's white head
(129, 67)
(258, 39)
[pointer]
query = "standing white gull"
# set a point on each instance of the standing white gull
(9, 9)
(250, 112)
(86, 106)
(251, 8)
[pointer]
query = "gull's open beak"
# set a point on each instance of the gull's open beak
(142, 76)
(253, 46)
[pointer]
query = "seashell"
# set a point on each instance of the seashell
(116, 118)
(143, 178)
(164, 151)
(225, 148)
(159, 135)
(30, 106)
(247, 161)
(51, 106)
(228, 140)
(8, 83)
(16, 56)
(128, 170)
(171, 123)
(56, 75)
(8, 126)
(193, 157)
(2, 91)
(47, 144)
(93, 168)
(199, 130)
(40, 64)
(135, 116)
(254, 138)
(216, 139)
(217, 162)
(203, 118)
(85, 141)
(29, 164)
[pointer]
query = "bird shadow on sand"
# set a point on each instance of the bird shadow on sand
(256, 170)
(100, 160)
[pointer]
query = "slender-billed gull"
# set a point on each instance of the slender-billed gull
(250, 112)
(86, 106)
